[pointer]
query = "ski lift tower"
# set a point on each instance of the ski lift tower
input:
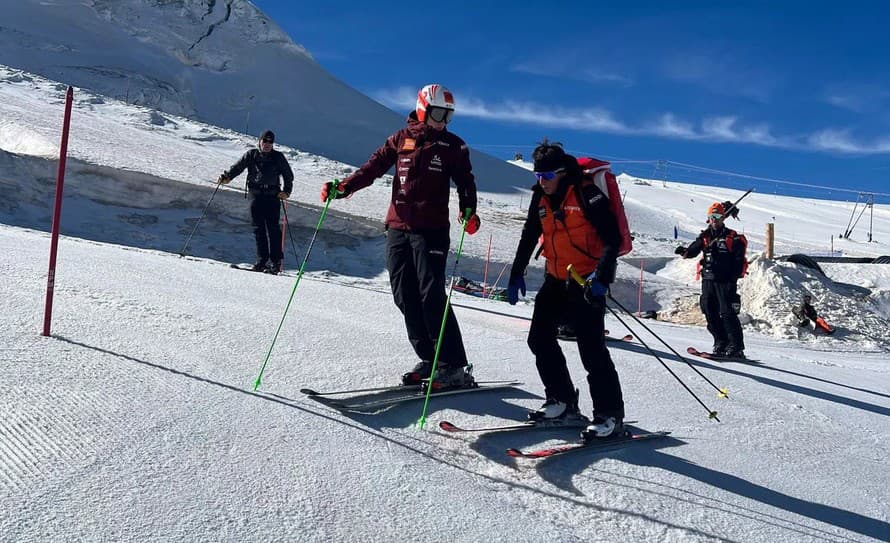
(868, 202)
(661, 171)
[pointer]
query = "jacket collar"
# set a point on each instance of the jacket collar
(418, 129)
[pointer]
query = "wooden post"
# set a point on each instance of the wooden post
(769, 240)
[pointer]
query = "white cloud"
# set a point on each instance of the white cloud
(669, 125)
(724, 128)
(572, 72)
(721, 74)
(841, 141)
(857, 97)
(849, 102)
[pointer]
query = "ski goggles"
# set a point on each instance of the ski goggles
(548, 176)
(715, 216)
(440, 114)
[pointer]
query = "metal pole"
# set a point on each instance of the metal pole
(195, 229)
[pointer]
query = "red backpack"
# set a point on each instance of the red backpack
(603, 177)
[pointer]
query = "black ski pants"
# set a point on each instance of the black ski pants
(265, 212)
(721, 305)
(559, 302)
(416, 264)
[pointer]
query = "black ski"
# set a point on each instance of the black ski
(244, 268)
(717, 358)
(250, 269)
(576, 423)
(541, 425)
(353, 391)
(571, 337)
(395, 395)
(592, 445)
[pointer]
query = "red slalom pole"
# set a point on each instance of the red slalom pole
(640, 294)
(283, 235)
(57, 212)
(485, 273)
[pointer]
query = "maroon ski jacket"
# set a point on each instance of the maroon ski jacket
(426, 161)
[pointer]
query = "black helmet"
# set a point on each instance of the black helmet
(268, 135)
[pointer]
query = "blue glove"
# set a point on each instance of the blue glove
(593, 288)
(513, 289)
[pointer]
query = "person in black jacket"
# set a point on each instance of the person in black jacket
(578, 228)
(723, 263)
(264, 167)
(806, 313)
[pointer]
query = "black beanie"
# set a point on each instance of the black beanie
(268, 135)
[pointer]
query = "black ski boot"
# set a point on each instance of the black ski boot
(417, 374)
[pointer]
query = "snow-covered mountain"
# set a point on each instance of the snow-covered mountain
(224, 63)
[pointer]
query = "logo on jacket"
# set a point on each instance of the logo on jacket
(436, 163)
(409, 144)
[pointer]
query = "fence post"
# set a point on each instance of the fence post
(769, 240)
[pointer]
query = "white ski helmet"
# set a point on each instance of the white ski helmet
(435, 96)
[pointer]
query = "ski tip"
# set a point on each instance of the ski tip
(309, 392)
(448, 427)
(514, 453)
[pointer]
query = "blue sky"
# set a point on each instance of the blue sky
(799, 92)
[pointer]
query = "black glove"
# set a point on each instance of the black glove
(734, 212)
(680, 250)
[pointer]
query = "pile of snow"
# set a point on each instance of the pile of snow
(772, 288)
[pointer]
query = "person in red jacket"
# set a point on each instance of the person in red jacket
(580, 229)
(427, 158)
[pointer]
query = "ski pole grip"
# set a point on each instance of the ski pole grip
(335, 189)
(575, 275)
(466, 220)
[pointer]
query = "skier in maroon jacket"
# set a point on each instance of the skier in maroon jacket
(427, 158)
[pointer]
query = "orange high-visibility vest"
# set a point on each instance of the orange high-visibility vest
(569, 238)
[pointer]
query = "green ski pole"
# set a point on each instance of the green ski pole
(426, 402)
(324, 212)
